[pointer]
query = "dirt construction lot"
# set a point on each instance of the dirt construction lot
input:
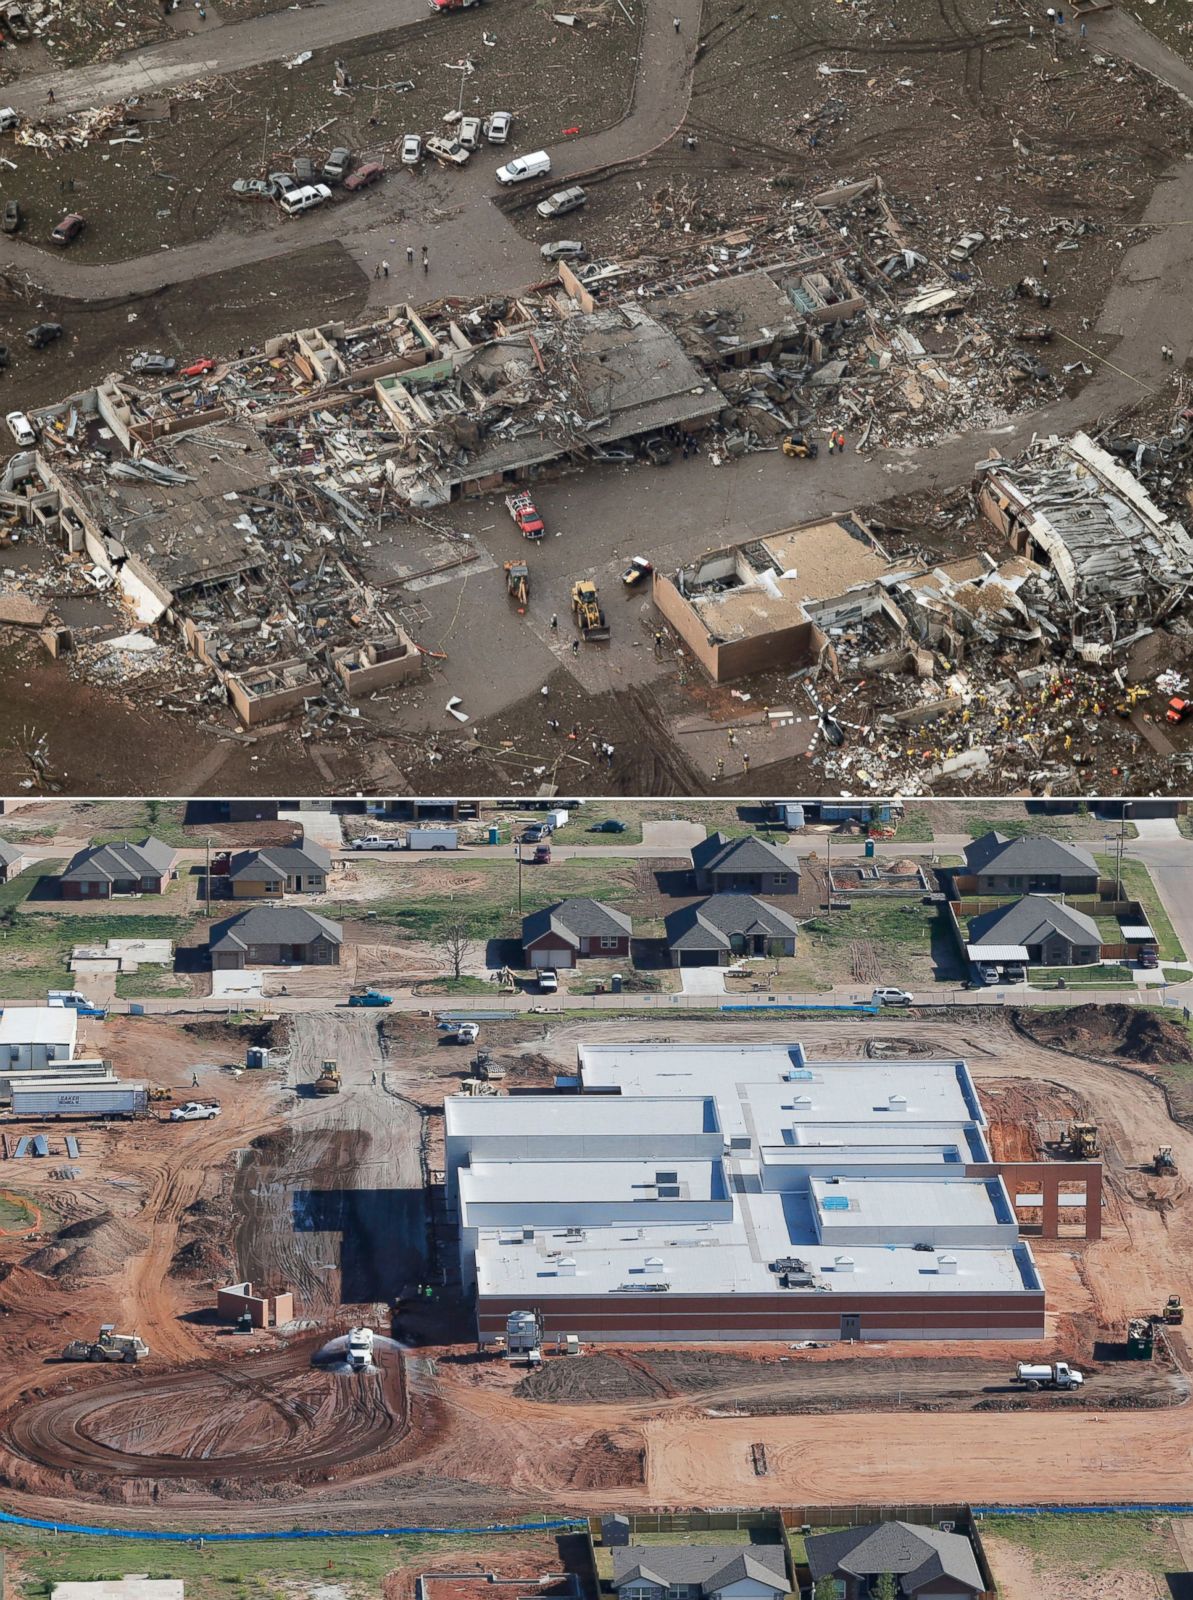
(327, 1197)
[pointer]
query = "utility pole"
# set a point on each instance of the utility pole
(829, 869)
(207, 879)
(518, 854)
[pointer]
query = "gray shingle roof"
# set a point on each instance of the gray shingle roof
(750, 854)
(576, 919)
(1033, 853)
(708, 924)
(1031, 920)
(712, 1566)
(283, 860)
(272, 925)
(915, 1555)
(10, 854)
(121, 859)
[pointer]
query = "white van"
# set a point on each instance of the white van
(536, 165)
(469, 133)
(311, 194)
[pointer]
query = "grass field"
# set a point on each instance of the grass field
(161, 819)
(1138, 885)
(910, 942)
(1084, 1557)
(914, 827)
(269, 1570)
(487, 894)
(35, 947)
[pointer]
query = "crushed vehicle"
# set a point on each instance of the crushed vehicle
(12, 216)
(966, 244)
(468, 132)
(68, 230)
(369, 172)
(42, 334)
(254, 189)
(497, 126)
(337, 165)
(412, 150)
(153, 364)
(21, 428)
(450, 152)
(562, 250)
(638, 569)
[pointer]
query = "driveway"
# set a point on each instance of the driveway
(675, 837)
(703, 980)
(1157, 828)
(321, 826)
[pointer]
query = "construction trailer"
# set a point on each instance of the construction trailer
(67, 1098)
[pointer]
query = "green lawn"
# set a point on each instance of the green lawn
(156, 981)
(593, 811)
(491, 905)
(914, 827)
(1070, 1550)
(160, 819)
(1138, 885)
(1079, 977)
(463, 985)
(1175, 975)
(35, 946)
(18, 889)
(265, 1570)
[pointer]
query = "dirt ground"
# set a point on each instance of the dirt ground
(328, 1197)
(176, 186)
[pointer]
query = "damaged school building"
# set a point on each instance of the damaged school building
(248, 504)
(1092, 565)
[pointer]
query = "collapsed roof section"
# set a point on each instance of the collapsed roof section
(1069, 505)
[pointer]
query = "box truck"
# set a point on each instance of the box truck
(73, 1099)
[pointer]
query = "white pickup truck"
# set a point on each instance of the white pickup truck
(374, 841)
(194, 1111)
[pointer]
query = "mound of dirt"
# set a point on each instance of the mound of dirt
(236, 1038)
(610, 1461)
(1111, 1032)
(94, 1247)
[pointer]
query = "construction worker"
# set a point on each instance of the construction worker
(745, 761)
(409, 255)
(575, 647)
(554, 623)
(832, 441)
(720, 766)
(194, 1080)
(373, 1080)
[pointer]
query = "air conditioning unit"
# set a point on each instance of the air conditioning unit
(946, 1527)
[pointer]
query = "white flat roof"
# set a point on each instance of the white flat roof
(566, 1115)
(735, 1257)
(582, 1181)
(996, 952)
(38, 1025)
(903, 1202)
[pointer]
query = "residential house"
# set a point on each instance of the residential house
(744, 866)
(104, 870)
(275, 936)
(278, 870)
(1033, 864)
(567, 932)
(924, 1561)
(714, 932)
(700, 1572)
(1049, 934)
(12, 860)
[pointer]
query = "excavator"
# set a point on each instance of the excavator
(517, 584)
(586, 608)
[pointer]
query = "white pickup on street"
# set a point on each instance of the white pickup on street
(374, 841)
(194, 1111)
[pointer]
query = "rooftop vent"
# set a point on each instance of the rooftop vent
(897, 1102)
(946, 1266)
(842, 1263)
(565, 1267)
(653, 1267)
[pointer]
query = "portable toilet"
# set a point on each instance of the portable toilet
(256, 1056)
(615, 982)
(494, 833)
(869, 848)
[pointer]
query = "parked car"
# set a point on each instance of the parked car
(299, 200)
(412, 150)
(563, 200)
(548, 981)
(1014, 974)
(891, 997)
(282, 183)
(12, 216)
(497, 128)
(153, 364)
(68, 230)
(610, 825)
(21, 428)
(254, 189)
(535, 832)
(337, 165)
(197, 368)
(194, 1111)
(43, 333)
(536, 165)
(468, 132)
(450, 151)
(368, 172)
(467, 1033)
(371, 997)
(985, 973)
(376, 841)
(561, 250)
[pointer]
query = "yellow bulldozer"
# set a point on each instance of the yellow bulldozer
(1083, 1141)
(1174, 1312)
(517, 583)
(586, 609)
(328, 1081)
